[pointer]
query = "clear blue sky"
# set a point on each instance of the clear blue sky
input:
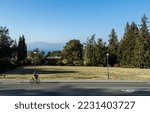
(58, 21)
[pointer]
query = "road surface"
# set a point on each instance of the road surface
(75, 88)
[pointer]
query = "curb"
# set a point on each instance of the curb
(74, 81)
(89, 81)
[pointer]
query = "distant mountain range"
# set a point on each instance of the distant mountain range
(45, 46)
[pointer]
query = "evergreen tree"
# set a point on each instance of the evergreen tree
(113, 48)
(90, 52)
(5, 43)
(127, 45)
(22, 49)
(122, 46)
(5, 49)
(142, 47)
(101, 52)
(127, 27)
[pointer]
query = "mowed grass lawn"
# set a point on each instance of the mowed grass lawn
(78, 72)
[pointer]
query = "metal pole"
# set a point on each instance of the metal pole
(35, 66)
(35, 62)
(107, 65)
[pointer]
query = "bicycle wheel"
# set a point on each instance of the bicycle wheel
(38, 81)
(32, 81)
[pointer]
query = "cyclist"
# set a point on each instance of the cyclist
(36, 76)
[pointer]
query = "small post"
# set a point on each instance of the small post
(35, 61)
(107, 56)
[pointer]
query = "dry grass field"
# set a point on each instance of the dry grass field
(78, 72)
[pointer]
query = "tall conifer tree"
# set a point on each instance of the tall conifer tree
(113, 47)
(127, 46)
(142, 47)
(101, 52)
(22, 49)
(90, 51)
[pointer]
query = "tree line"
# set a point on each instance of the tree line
(133, 50)
(11, 52)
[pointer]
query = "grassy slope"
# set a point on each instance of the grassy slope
(71, 72)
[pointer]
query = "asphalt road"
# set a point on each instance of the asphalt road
(58, 88)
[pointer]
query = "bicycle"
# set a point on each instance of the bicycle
(33, 80)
